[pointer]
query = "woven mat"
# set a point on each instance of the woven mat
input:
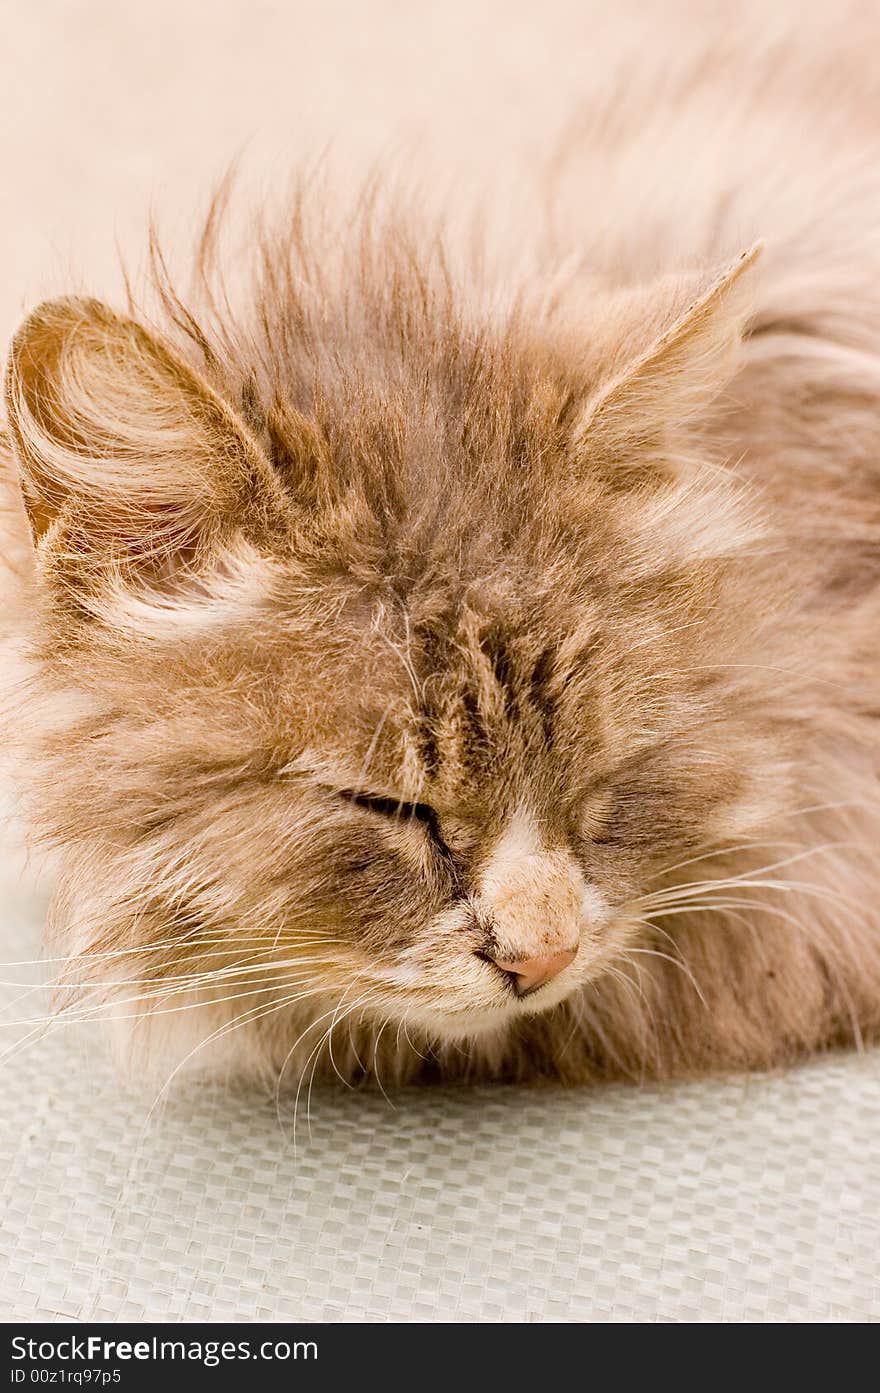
(754, 1198)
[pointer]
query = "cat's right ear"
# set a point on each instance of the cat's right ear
(688, 356)
(125, 453)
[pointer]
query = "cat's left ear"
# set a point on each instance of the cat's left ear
(687, 361)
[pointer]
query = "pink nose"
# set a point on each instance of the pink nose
(530, 973)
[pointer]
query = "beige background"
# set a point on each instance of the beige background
(113, 107)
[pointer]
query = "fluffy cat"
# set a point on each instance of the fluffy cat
(466, 668)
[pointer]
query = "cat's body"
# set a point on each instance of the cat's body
(537, 550)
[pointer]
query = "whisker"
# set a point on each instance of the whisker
(71, 1015)
(409, 1040)
(676, 962)
(160, 980)
(289, 1056)
(174, 943)
(248, 1017)
(296, 1099)
(376, 1042)
(780, 864)
(820, 892)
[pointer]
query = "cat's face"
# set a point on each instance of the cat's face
(395, 694)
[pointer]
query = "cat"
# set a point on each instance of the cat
(466, 667)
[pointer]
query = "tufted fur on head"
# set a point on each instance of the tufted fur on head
(388, 628)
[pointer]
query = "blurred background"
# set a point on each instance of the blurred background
(111, 110)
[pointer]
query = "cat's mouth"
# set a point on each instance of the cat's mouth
(457, 1019)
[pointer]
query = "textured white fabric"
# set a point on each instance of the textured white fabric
(752, 1198)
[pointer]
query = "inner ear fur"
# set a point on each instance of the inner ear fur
(683, 367)
(120, 439)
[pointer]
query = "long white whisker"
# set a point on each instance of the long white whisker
(780, 864)
(141, 950)
(248, 1017)
(747, 843)
(71, 1016)
(676, 962)
(331, 1013)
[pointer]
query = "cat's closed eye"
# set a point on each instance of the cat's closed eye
(392, 807)
(401, 811)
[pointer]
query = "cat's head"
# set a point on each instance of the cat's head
(383, 658)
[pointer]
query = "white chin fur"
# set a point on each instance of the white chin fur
(487, 1020)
